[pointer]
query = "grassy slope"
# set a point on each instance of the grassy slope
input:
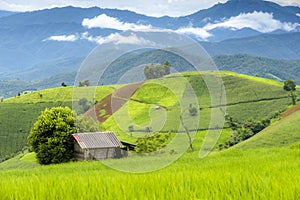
(247, 97)
(261, 173)
(283, 132)
(19, 113)
(244, 95)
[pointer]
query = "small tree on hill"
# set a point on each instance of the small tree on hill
(84, 83)
(290, 86)
(157, 71)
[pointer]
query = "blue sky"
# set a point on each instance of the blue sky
(148, 7)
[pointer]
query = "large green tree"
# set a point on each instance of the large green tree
(51, 135)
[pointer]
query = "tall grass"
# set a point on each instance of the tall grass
(232, 174)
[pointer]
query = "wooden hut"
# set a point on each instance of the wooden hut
(97, 145)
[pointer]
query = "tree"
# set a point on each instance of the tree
(63, 84)
(290, 86)
(51, 135)
(83, 105)
(84, 83)
(157, 71)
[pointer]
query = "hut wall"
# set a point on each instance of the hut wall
(78, 152)
(98, 154)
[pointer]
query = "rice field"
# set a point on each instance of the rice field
(233, 174)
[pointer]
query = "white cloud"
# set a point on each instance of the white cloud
(171, 1)
(104, 21)
(61, 38)
(298, 14)
(259, 21)
(115, 38)
(199, 32)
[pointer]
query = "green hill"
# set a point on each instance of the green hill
(250, 171)
(247, 97)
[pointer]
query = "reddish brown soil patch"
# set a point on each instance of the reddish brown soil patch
(291, 110)
(113, 102)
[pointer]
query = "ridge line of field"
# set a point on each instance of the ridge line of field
(245, 102)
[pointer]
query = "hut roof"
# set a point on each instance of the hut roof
(97, 140)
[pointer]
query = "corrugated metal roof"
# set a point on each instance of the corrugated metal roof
(97, 140)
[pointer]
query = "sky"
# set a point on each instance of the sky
(148, 7)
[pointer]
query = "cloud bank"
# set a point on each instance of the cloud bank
(259, 21)
(104, 21)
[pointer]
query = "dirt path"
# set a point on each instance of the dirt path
(291, 110)
(113, 102)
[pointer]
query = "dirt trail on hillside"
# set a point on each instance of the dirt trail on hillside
(113, 102)
(291, 110)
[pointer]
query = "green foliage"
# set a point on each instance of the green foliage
(158, 71)
(51, 136)
(82, 106)
(289, 85)
(86, 124)
(244, 131)
(151, 143)
(278, 134)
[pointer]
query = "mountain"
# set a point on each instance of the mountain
(278, 46)
(236, 7)
(4, 13)
(40, 44)
(276, 69)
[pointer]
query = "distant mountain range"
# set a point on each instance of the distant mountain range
(38, 45)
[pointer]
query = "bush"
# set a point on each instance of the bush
(152, 143)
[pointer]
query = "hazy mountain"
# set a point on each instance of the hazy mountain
(280, 46)
(40, 44)
(6, 13)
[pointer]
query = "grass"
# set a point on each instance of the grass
(281, 133)
(62, 94)
(232, 174)
(244, 94)
(16, 120)
(18, 114)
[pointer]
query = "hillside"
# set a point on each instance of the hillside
(281, 133)
(244, 95)
(18, 114)
(253, 169)
(277, 69)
